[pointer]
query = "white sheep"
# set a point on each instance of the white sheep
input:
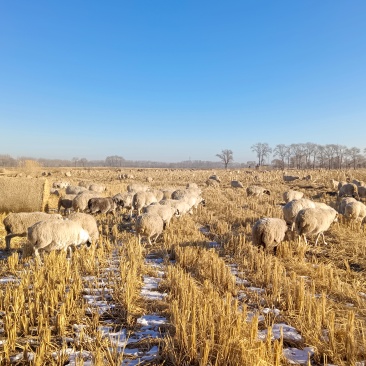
(292, 195)
(334, 184)
(215, 177)
(99, 188)
(355, 211)
(212, 183)
(268, 232)
(60, 184)
(137, 187)
(182, 206)
(292, 208)
(149, 225)
(256, 191)
(166, 212)
(343, 202)
(87, 222)
(236, 184)
(17, 223)
(142, 199)
(314, 221)
(75, 189)
(80, 202)
(56, 235)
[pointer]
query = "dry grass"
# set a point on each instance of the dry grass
(318, 290)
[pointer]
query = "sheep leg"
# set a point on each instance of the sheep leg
(325, 243)
(7, 240)
(139, 238)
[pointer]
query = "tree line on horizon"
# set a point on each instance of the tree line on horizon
(294, 156)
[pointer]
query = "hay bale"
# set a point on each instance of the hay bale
(23, 194)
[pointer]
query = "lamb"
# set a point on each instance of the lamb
(290, 178)
(314, 221)
(256, 191)
(269, 232)
(292, 195)
(16, 224)
(80, 202)
(141, 199)
(166, 212)
(236, 184)
(149, 225)
(56, 235)
(348, 190)
(105, 205)
(87, 222)
(66, 202)
(355, 211)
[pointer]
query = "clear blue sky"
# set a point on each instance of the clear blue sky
(172, 80)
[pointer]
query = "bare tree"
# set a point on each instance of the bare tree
(262, 150)
(226, 157)
(354, 154)
(281, 152)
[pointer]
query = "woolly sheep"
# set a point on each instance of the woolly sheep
(80, 202)
(269, 232)
(343, 202)
(16, 224)
(348, 190)
(181, 206)
(87, 222)
(159, 195)
(105, 205)
(99, 188)
(236, 184)
(60, 184)
(75, 189)
(292, 195)
(215, 177)
(65, 202)
(166, 212)
(361, 191)
(342, 183)
(137, 187)
(358, 183)
(56, 235)
(355, 211)
(149, 225)
(314, 221)
(292, 208)
(256, 191)
(192, 185)
(141, 199)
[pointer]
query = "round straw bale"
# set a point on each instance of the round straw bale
(23, 194)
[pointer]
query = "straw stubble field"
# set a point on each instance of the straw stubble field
(201, 295)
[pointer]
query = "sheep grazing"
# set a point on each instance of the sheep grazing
(149, 225)
(290, 178)
(159, 195)
(99, 188)
(348, 190)
(166, 212)
(16, 224)
(292, 208)
(141, 199)
(75, 189)
(358, 183)
(56, 235)
(256, 191)
(268, 233)
(215, 177)
(80, 202)
(292, 195)
(137, 187)
(182, 206)
(314, 221)
(87, 222)
(105, 205)
(343, 202)
(355, 211)
(236, 184)
(60, 184)
(192, 185)
(65, 202)
(361, 192)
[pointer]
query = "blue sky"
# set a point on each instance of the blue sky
(172, 80)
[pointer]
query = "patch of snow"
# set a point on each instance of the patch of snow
(289, 333)
(298, 356)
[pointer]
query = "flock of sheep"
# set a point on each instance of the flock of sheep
(153, 209)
